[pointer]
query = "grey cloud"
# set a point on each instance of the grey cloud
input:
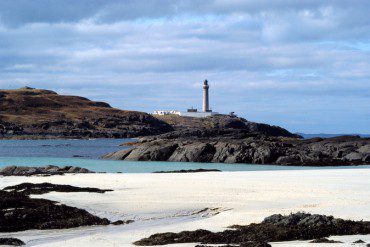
(19, 12)
(292, 63)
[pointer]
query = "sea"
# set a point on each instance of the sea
(87, 153)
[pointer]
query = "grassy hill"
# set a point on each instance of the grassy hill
(37, 112)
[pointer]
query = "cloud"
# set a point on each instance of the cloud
(281, 62)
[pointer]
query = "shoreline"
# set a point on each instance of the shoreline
(316, 152)
(34, 138)
(166, 202)
(142, 167)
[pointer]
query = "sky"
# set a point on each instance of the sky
(303, 65)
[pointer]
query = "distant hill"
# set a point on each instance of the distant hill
(321, 135)
(36, 112)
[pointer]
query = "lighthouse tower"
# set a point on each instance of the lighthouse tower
(193, 112)
(205, 97)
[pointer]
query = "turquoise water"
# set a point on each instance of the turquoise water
(111, 166)
(64, 152)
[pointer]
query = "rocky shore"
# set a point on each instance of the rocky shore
(297, 226)
(227, 139)
(241, 147)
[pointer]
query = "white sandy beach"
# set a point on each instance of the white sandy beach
(171, 202)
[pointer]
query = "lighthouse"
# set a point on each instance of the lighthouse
(205, 97)
(193, 112)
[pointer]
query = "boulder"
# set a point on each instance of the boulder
(195, 152)
(119, 155)
(158, 152)
(11, 241)
(43, 170)
(325, 240)
(354, 156)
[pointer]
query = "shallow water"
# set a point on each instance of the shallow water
(68, 148)
(65, 152)
(111, 166)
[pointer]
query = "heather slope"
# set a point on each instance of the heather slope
(44, 113)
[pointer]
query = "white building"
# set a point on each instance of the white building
(198, 114)
(193, 112)
(165, 112)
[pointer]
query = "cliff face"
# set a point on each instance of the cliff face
(44, 113)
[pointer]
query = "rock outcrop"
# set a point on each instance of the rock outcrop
(35, 113)
(298, 226)
(325, 240)
(220, 125)
(241, 147)
(11, 241)
(42, 188)
(19, 212)
(42, 170)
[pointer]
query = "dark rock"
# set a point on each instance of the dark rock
(354, 156)
(119, 155)
(300, 219)
(19, 212)
(7, 128)
(325, 240)
(203, 245)
(190, 171)
(11, 241)
(360, 241)
(299, 226)
(199, 152)
(118, 222)
(145, 153)
(255, 244)
(43, 170)
(42, 188)
(121, 222)
(245, 244)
